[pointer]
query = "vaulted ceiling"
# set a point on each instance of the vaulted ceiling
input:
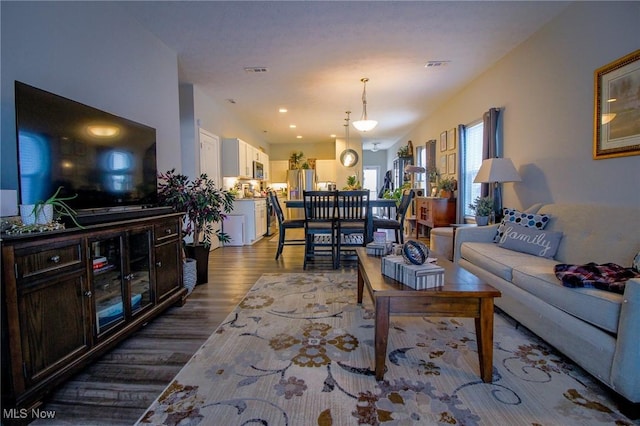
(309, 57)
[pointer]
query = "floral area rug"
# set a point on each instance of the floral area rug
(298, 350)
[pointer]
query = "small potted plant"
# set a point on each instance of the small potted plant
(44, 212)
(204, 205)
(446, 186)
(482, 206)
(295, 160)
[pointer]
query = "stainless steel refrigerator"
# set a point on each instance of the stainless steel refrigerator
(298, 181)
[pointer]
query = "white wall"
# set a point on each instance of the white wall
(91, 52)
(546, 89)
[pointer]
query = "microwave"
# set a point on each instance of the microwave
(258, 170)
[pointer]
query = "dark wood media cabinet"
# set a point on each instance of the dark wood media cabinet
(69, 296)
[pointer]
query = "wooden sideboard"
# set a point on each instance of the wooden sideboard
(433, 213)
(69, 296)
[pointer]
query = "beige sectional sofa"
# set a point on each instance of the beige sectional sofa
(598, 329)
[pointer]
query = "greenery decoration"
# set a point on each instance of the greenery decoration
(60, 207)
(396, 194)
(482, 206)
(353, 183)
(203, 203)
(296, 158)
(448, 184)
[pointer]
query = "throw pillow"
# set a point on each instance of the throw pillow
(530, 240)
(516, 217)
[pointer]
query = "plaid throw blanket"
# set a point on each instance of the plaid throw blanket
(607, 276)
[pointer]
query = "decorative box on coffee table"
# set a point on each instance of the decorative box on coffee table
(419, 277)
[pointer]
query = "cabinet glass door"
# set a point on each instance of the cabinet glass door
(139, 276)
(107, 282)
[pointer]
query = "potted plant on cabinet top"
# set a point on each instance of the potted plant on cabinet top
(446, 186)
(204, 205)
(482, 206)
(44, 212)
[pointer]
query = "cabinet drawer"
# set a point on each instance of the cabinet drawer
(166, 231)
(34, 261)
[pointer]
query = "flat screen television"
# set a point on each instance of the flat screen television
(108, 161)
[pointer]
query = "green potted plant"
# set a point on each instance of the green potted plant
(396, 194)
(446, 186)
(45, 212)
(204, 204)
(482, 206)
(404, 151)
(295, 159)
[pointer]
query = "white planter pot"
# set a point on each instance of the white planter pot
(29, 217)
(482, 220)
(189, 274)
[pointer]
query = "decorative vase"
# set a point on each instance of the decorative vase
(189, 274)
(482, 220)
(445, 194)
(201, 254)
(29, 217)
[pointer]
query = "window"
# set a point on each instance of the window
(421, 160)
(471, 161)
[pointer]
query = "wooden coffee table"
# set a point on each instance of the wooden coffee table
(463, 295)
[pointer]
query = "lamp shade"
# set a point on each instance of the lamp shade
(365, 125)
(497, 170)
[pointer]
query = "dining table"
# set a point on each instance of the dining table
(387, 205)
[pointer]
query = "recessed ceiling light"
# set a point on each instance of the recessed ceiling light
(282, 110)
(299, 137)
(292, 126)
(332, 136)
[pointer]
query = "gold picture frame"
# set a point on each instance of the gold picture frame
(616, 124)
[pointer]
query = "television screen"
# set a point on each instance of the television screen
(108, 161)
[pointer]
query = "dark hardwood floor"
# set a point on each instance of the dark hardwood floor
(117, 388)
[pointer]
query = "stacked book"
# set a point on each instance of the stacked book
(99, 262)
(418, 277)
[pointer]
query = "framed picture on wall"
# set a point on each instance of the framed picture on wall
(451, 139)
(443, 165)
(443, 141)
(451, 163)
(616, 127)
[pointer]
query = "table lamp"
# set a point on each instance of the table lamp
(496, 171)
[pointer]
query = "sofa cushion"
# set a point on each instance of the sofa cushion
(516, 217)
(530, 240)
(500, 261)
(598, 307)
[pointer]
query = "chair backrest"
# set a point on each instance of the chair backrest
(354, 205)
(276, 207)
(405, 202)
(320, 206)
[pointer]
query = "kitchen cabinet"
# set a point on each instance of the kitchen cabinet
(69, 296)
(237, 158)
(254, 211)
(434, 212)
(279, 171)
(326, 170)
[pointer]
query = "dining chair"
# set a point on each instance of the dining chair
(353, 210)
(320, 225)
(397, 224)
(283, 225)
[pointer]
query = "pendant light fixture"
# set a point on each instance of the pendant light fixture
(364, 124)
(349, 157)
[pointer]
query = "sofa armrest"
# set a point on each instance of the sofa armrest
(625, 375)
(482, 234)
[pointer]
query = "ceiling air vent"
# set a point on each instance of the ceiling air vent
(435, 64)
(252, 70)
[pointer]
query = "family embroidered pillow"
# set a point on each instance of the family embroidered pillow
(516, 217)
(530, 240)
